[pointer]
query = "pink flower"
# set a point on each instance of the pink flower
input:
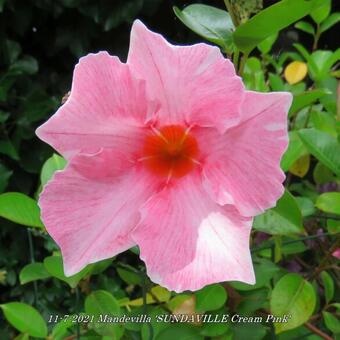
(336, 253)
(169, 152)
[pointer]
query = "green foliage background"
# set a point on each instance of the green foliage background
(292, 244)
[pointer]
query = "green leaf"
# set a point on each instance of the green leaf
(60, 330)
(328, 285)
(180, 331)
(253, 75)
(322, 146)
(292, 295)
(209, 22)
(7, 148)
(306, 206)
(270, 21)
(33, 272)
(284, 219)
(54, 266)
(295, 150)
(25, 318)
(320, 63)
(266, 45)
(253, 300)
(264, 272)
(329, 202)
(53, 164)
(5, 175)
(215, 328)
(26, 65)
(322, 174)
(332, 20)
(129, 276)
(324, 122)
(20, 209)
(99, 303)
(305, 27)
(304, 99)
(322, 12)
(333, 226)
(210, 298)
(332, 323)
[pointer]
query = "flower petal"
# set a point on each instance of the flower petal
(188, 241)
(194, 84)
(91, 219)
(106, 107)
(242, 167)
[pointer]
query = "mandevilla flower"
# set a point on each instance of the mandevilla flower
(168, 152)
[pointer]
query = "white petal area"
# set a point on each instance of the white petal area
(188, 241)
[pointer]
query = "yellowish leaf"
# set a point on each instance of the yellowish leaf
(157, 294)
(295, 72)
(187, 307)
(301, 166)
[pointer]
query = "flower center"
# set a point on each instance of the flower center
(170, 151)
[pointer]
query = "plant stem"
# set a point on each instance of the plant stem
(145, 306)
(317, 331)
(77, 311)
(256, 249)
(31, 250)
(316, 37)
(236, 56)
(242, 64)
(231, 12)
(329, 253)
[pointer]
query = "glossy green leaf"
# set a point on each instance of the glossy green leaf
(101, 303)
(209, 22)
(320, 63)
(284, 219)
(61, 329)
(322, 12)
(333, 226)
(329, 202)
(332, 20)
(180, 331)
(295, 150)
(129, 276)
(328, 285)
(211, 297)
(20, 209)
(331, 321)
(292, 295)
(25, 318)
(304, 99)
(253, 76)
(270, 21)
(266, 45)
(306, 206)
(53, 164)
(305, 27)
(324, 121)
(214, 329)
(33, 272)
(54, 266)
(322, 146)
